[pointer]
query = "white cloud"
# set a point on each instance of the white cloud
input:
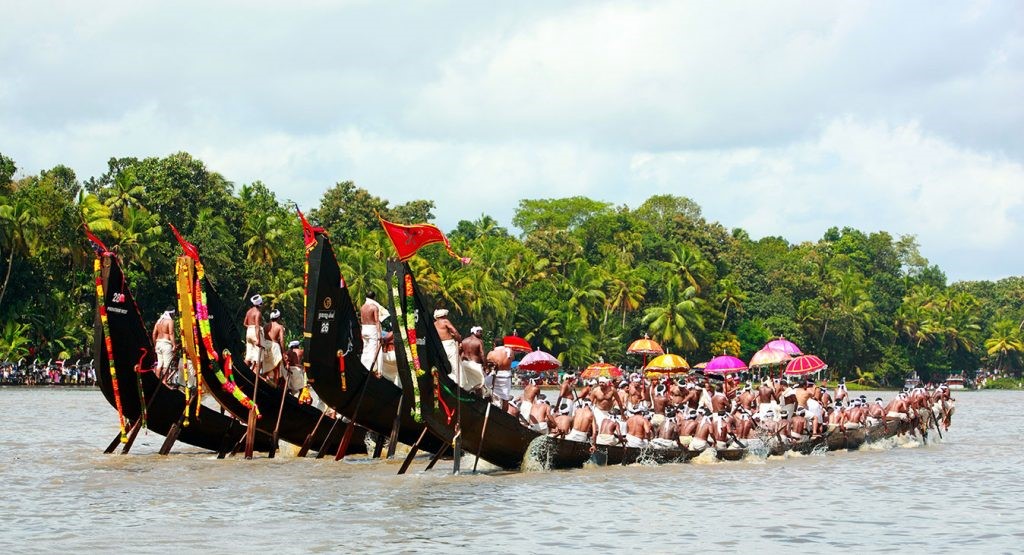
(964, 206)
(782, 118)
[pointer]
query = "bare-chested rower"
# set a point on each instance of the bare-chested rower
(638, 430)
(567, 389)
(541, 419)
(608, 430)
(370, 318)
(603, 398)
(584, 425)
(561, 424)
(253, 323)
(765, 398)
(275, 334)
(719, 401)
(163, 341)
(450, 336)
(499, 360)
(667, 434)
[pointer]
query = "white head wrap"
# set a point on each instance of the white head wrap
(440, 313)
(275, 314)
(256, 300)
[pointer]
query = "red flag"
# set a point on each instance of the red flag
(410, 238)
(308, 231)
(97, 244)
(189, 249)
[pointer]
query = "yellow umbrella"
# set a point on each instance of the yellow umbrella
(666, 364)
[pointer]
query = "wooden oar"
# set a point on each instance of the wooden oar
(412, 452)
(393, 438)
(483, 432)
(437, 456)
(323, 446)
(250, 432)
(935, 423)
(309, 438)
(137, 425)
(347, 438)
(280, 410)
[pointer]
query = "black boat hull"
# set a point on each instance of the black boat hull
(131, 345)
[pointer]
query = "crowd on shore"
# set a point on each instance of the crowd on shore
(59, 372)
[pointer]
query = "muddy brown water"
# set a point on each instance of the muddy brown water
(60, 493)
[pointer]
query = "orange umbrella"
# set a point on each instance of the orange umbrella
(645, 347)
(601, 370)
(666, 364)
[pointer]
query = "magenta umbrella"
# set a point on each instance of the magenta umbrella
(784, 345)
(724, 364)
(539, 361)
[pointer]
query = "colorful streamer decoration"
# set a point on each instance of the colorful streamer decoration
(101, 305)
(409, 338)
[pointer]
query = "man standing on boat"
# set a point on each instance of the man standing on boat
(163, 341)
(253, 323)
(274, 347)
(450, 338)
(296, 377)
(371, 314)
(500, 362)
(472, 360)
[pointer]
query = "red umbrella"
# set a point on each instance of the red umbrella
(724, 365)
(539, 361)
(601, 370)
(805, 364)
(516, 343)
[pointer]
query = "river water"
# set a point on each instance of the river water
(60, 493)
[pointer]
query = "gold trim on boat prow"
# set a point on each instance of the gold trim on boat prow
(307, 334)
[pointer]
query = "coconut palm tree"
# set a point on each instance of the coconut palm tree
(729, 296)
(137, 233)
(1005, 343)
(676, 320)
(625, 290)
(689, 265)
(583, 289)
(20, 225)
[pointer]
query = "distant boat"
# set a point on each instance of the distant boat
(913, 381)
(955, 381)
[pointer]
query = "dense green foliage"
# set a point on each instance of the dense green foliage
(582, 280)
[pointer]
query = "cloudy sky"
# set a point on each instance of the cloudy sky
(784, 118)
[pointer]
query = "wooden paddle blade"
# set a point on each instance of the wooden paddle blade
(132, 434)
(172, 435)
(113, 444)
(345, 440)
(250, 434)
(412, 453)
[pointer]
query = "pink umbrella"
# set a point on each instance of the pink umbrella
(784, 345)
(805, 364)
(768, 357)
(724, 364)
(539, 361)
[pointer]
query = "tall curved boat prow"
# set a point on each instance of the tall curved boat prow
(220, 353)
(505, 441)
(333, 348)
(124, 374)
